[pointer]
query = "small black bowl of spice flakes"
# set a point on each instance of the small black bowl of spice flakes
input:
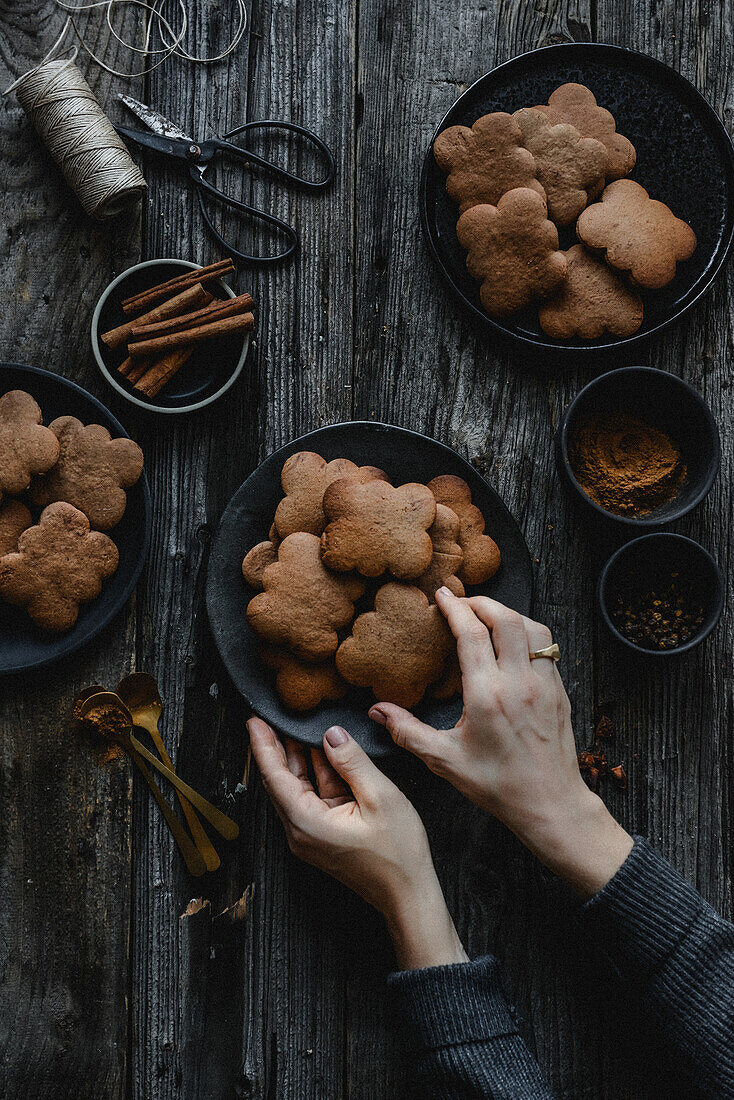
(638, 446)
(661, 594)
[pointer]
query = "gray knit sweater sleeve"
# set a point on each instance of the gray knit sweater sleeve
(675, 955)
(670, 949)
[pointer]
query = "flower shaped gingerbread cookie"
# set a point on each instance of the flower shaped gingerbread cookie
(58, 565)
(303, 686)
(374, 528)
(303, 605)
(592, 300)
(399, 648)
(575, 103)
(512, 250)
(485, 161)
(481, 553)
(26, 447)
(92, 472)
(637, 234)
(305, 477)
(447, 555)
(570, 167)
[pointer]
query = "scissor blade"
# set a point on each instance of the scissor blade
(169, 146)
(155, 121)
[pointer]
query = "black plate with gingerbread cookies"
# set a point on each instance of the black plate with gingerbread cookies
(66, 569)
(636, 174)
(359, 523)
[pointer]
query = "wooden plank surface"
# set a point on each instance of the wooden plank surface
(66, 821)
(283, 997)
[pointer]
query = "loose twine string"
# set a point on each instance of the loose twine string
(70, 121)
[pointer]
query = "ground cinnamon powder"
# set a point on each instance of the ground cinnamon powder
(624, 465)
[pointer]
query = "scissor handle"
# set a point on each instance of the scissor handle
(226, 146)
(288, 231)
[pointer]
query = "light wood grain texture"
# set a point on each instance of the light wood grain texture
(289, 1001)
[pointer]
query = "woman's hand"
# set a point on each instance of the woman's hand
(513, 752)
(356, 825)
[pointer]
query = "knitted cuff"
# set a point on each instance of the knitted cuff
(454, 1004)
(642, 914)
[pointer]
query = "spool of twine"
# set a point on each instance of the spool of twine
(81, 139)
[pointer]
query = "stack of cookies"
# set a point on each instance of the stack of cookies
(61, 487)
(347, 578)
(519, 178)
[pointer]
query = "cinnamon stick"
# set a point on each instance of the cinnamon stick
(162, 344)
(146, 298)
(191, 298)
(162, 370)
(137, 368)
(217, 309)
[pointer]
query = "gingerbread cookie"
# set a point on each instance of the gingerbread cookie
(26, 447)
(575, 103)
(303, 686)
(485, 161)
(590, 301)
(374, 528)
(305, 477)
(303, 605)
(59, 564)
(512, 250)
(256, 562)
(449, 683)
(92, 472)
(637, 234)
(15, 518)
(447, 555)
(569, 166)
(481, 553)
(399, 648)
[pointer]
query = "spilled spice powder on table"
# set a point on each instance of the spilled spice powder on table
(624, 465)
(101, 723)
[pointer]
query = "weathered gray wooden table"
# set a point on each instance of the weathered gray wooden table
(107, 987)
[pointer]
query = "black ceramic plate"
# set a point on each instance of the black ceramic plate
(22, 645)
(405, 456)
(684, 158)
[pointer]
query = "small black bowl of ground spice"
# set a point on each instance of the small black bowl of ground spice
(638, 446)
(661, 594)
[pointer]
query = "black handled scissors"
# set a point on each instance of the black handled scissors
(170, 140)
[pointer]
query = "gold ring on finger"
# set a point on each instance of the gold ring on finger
(551, 651)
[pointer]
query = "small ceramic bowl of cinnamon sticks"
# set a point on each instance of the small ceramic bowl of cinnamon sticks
(171, 336)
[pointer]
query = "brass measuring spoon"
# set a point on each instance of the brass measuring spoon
(123, 733)
(192, 857)
(139, 692)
